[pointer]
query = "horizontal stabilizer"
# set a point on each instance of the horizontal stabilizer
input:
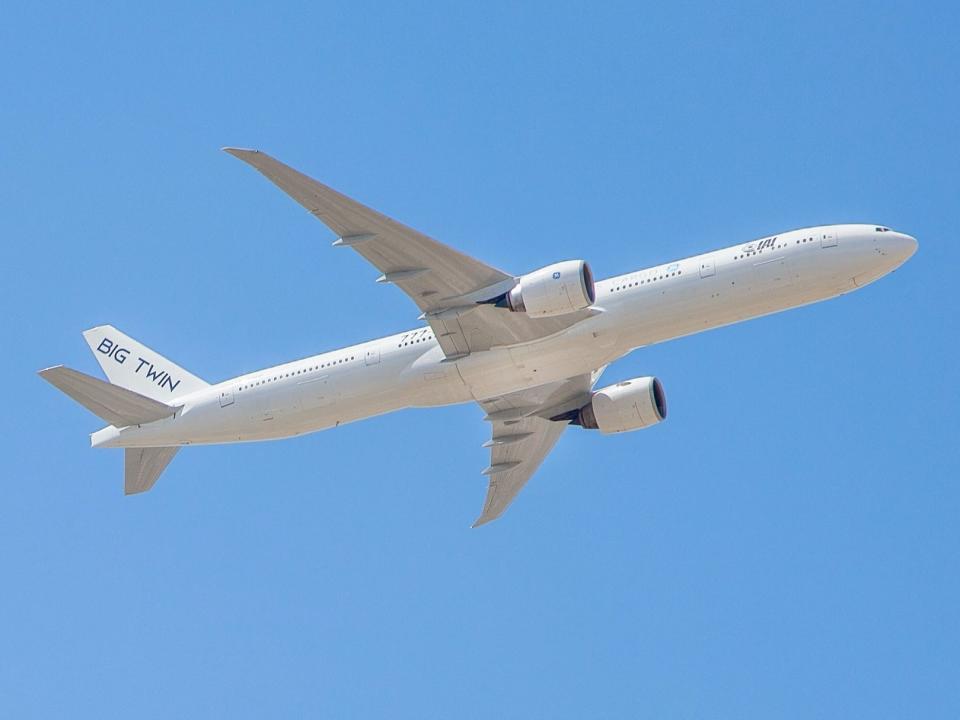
(116, 405)
(142, 467)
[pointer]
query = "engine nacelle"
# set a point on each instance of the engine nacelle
(628, 405)
(557, 289)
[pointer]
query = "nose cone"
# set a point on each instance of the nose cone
(900, 246)
(882, 251)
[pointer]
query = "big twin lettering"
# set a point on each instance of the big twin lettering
(109, 348)
(160, 377)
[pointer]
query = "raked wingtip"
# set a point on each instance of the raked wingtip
(238, 151)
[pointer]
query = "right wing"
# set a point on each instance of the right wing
(447, 285)
(523, 435)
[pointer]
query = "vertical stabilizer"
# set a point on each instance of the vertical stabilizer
(136, 367)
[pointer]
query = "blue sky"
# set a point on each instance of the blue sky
(785, 545)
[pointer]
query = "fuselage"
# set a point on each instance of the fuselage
(633, 310)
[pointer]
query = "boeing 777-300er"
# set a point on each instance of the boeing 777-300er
(528, 348)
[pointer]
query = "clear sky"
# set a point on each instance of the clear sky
(786, 545)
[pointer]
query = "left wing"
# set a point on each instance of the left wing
(447, 285)
(523, 434)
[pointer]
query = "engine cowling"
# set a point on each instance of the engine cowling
(557, 289)
(629, 405)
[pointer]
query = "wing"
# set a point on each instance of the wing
(523, 434)
(446, 284)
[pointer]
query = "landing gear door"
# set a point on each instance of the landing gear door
(707, 268)
(828, 238)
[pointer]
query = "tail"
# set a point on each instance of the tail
(143, 388)
(136, 367)
(121, 408)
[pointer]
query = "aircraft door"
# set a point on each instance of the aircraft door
(828, 238)
(707, 268)
(226, 398)
(373, 356)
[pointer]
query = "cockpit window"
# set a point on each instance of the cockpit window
(882, 229)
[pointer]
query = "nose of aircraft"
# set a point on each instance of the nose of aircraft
(900, 246)
(883, 251)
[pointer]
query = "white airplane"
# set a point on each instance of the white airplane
(528, 348)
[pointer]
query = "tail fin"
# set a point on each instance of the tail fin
(142, 467)
(116, 405)
(136, 367)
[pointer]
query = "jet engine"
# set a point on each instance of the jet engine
(628, 405)
(557, 289)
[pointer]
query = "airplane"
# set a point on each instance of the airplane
(528, 348)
